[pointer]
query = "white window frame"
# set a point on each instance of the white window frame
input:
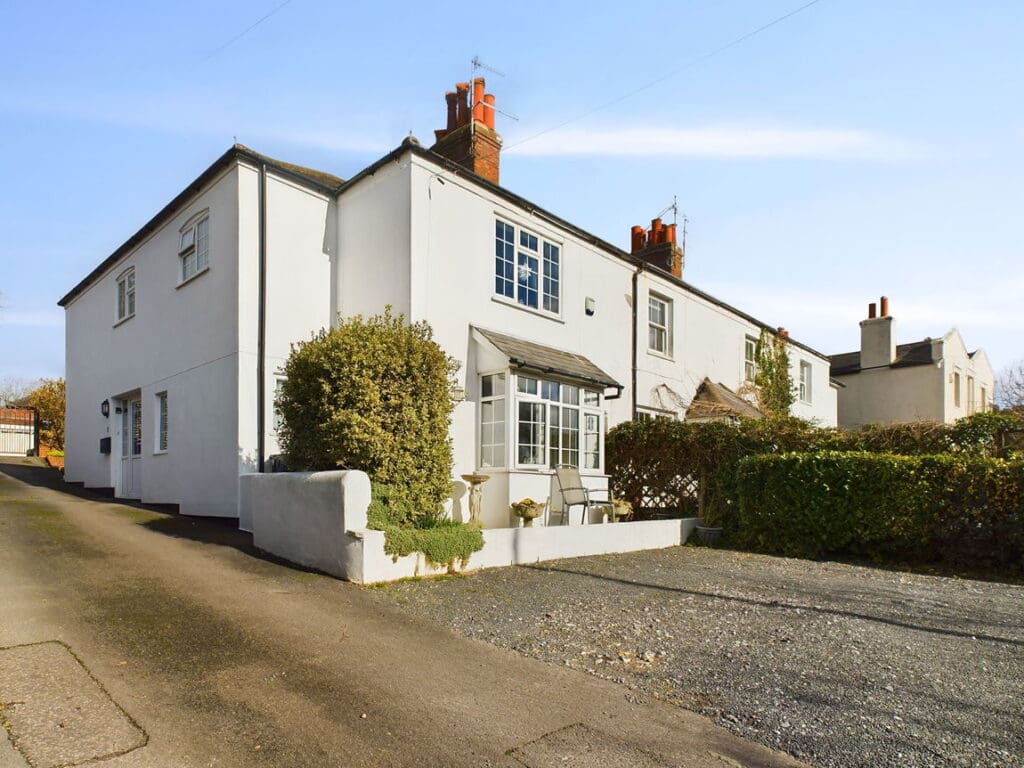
(498, 458)
(539, 255)
(749, 358)
(276, 413)
(194, 248)
(162, 428)
(537, 391)
(125, 296)
(806, 382)
(656, 330)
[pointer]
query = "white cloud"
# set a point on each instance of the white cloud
(723, 141)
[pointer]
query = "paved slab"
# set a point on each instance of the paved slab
(56, 713)
(228, 659)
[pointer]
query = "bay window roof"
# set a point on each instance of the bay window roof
(541, 359)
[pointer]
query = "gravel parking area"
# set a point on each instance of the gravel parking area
(836, 664)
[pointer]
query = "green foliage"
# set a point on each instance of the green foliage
(775, 391)
(372, 394)
(667, 467)
(442, 542)
(955, 508)
(48, 400)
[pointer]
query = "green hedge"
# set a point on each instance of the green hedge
(954, 508)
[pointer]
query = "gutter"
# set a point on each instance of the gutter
(636, 277)
(261, 333)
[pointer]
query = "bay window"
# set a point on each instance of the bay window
(553, 423)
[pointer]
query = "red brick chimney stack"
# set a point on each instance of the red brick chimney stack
(469, 139)
(657, 246)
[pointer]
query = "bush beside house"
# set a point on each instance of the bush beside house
(374, 394)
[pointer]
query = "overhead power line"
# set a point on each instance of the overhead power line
(247, 30)
(671, 73)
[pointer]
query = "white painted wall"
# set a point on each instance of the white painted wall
(182, 340)
(708, 340)
(452, 268)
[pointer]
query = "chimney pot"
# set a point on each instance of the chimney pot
(461, 105)
(489, 110)
(670, 234)
(871, 311)
(637, 238)
(783, 332)
(885, 306)
(478, 99)
(451, 98)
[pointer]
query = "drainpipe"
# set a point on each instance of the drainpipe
(262, 322)
(632, 387)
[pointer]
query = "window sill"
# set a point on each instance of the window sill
(123, 320)
(662, 355)
(160, 453)
(516, 305)
(188, 280)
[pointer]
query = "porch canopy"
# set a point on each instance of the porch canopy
(528, 355)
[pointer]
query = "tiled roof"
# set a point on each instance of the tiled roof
(537, 357)
(914, 353)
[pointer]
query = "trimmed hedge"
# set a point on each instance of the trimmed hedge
(953, 508)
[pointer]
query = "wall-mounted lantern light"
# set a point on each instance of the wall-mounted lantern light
(105, 408)
(457, 393)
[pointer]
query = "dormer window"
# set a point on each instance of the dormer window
(194, 248)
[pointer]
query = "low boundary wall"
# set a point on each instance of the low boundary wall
(318, 519)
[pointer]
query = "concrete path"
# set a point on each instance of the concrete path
(137, 638)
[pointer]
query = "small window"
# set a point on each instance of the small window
(194, 248)
(126, 294)
(749, 358)
(956, 389)
(161, 424)
(970, 394)
(659, 324)
(984, 400)
(805, 381)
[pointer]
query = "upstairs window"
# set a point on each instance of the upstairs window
(749, 358)
(126, 294)
(956, 389)
(659, 324)
(805, 382)
(527, 268)
(194, 248)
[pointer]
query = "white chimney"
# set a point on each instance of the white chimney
(877, 338)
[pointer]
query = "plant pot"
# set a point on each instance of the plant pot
(709, 535)
(529, 514)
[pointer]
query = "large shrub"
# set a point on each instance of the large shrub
(916, 508)
(372, 394)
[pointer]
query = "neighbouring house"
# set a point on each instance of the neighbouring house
(926, 380)
(176, 340)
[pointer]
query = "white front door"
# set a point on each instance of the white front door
(131, 449)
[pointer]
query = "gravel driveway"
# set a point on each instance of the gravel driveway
(836, 664)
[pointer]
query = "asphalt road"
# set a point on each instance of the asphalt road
(144, 639)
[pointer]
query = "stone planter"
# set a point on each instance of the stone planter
(528, 512)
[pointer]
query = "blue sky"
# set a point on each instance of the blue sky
(855, 149)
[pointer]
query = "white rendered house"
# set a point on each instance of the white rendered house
(927, 380)
(176, 340)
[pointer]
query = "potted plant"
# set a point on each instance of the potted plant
(527, 510)
(622, 511)
(709, 526)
